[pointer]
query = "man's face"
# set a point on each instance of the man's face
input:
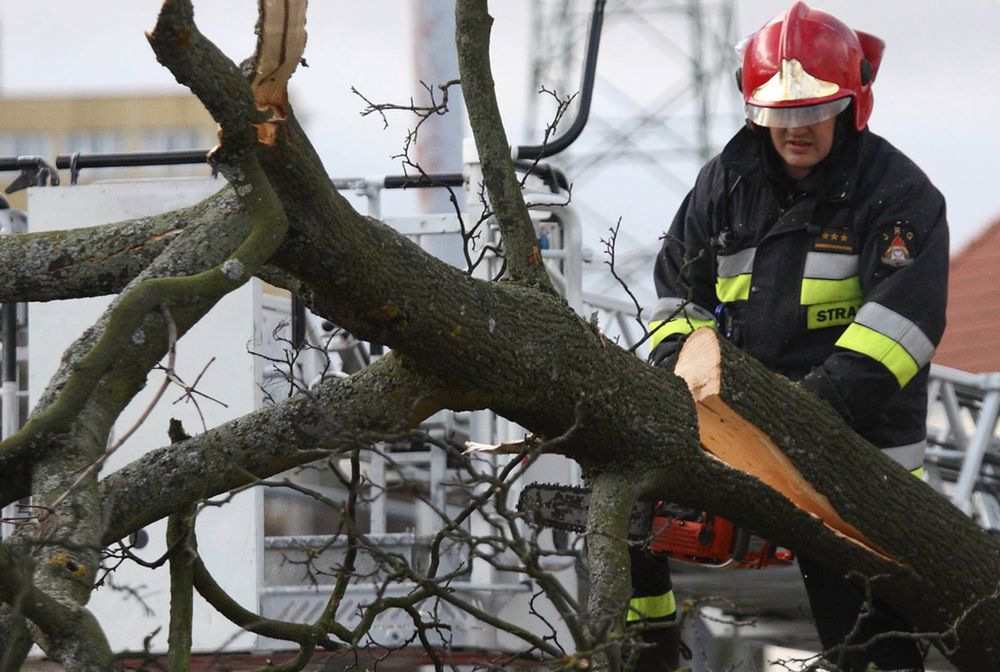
(802, 148)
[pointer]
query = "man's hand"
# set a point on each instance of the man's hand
(819, 383)
(664, 355)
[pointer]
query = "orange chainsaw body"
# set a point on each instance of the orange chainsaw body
(705, 539)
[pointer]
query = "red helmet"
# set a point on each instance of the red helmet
(804, 66)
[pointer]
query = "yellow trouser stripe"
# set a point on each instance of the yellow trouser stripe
(654, 606)
(680, 325)
(817, 290)
(736, 288)
(882, 349)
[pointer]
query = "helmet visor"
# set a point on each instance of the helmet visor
(795, 117)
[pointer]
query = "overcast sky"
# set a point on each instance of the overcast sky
(936, 97)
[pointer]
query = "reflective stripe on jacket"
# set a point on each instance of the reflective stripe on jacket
(846, 270)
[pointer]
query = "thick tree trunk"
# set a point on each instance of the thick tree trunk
(866, 514)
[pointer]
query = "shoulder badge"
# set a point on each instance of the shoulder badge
(898, 244)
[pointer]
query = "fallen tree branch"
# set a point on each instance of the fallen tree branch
(304, 634)
(742, 445)
(383, 400)
(97, 260)
(746, 412)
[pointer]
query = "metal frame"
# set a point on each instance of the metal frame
(485, 586)
(693, 74)
(963, 458)
(34, 170)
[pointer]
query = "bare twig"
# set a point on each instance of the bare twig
(647, 334)
(562, 105)
(610, 245)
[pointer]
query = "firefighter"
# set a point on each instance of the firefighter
(821, 250)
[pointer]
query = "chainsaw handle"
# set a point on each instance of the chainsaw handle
(741, 544)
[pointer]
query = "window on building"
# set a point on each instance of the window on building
(24, 144)
(95, 141)
(162, 140)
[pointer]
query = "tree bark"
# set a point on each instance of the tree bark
(462, 344)
(182, 542)
(382, 401)
(524, 257)
(96, 260)
(859, 505)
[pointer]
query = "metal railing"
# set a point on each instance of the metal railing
(963, 457)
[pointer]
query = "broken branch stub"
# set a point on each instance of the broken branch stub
(281, 42)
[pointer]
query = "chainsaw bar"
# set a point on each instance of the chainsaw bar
(564, 507)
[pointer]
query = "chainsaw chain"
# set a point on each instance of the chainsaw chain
(564, 507)
(559, 506)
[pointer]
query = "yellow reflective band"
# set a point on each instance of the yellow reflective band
(654, 606)
(882, 349)
(816, 290)
(736, 288)
(918, 472)
(680, 325)
(832, 314)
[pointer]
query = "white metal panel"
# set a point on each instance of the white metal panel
(230, 537)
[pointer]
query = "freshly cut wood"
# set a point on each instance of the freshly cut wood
(938, 569)
(733, 439)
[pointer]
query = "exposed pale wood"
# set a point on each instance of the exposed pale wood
(281, 43)
(506, 448)
(737, 442)
(699, 364)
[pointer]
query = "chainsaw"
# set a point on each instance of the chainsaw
(684, 534)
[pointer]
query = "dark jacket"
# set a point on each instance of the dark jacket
(840, 279)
